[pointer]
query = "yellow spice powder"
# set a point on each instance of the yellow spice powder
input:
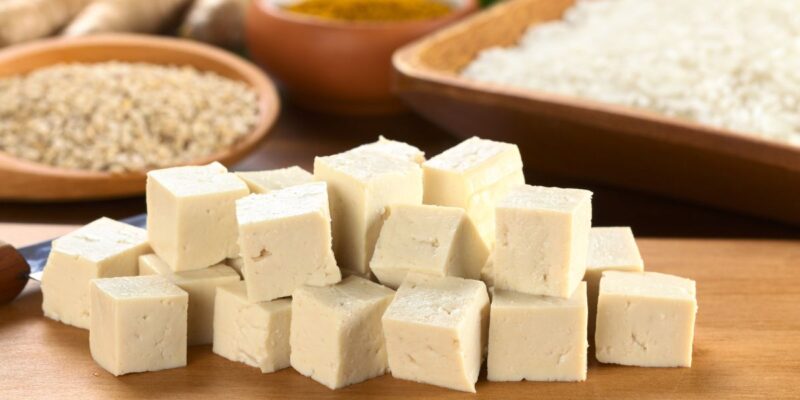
(371, 10)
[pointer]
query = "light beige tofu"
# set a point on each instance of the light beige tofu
(394, 148)
(102, 249)
(191, 220)
(537, 338)
(285, 241)
(434, 240)
(645, 319)
(237, 264)
(256, 334)
(542, 240)
(610, 249)
(436, 331)
(487, 271)
(336, 334)
(201, 285)
(262, 182)
(361, 185)
(152, 264)
(474, 175)
(138, 324)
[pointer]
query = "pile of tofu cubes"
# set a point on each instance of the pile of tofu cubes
(380, 261)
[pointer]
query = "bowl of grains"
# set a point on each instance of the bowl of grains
(335, 55)
(86, 118)
(692, 99)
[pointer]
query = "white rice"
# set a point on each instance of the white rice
(733, 64)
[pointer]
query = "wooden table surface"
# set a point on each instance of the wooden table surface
(747, 346)
(300, 135)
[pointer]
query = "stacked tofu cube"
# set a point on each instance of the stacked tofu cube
(285, 268)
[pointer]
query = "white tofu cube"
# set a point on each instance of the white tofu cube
(542, 240)
(394, 148)
(645, 319)
(285, 240)
(256, 334)
(102, 249)
(436, 331)
(610, 249)
(138, 324)
(361, 185)
(435, 240)
(474, 175)
(191, 220)
(152, 264)
(201, 285)
(537, 338)
(336, 334)
(262, 182)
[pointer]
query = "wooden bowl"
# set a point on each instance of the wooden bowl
(28, 181)
(579, 138)
(332, 65)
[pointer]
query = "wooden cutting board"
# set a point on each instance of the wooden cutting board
(747, 345)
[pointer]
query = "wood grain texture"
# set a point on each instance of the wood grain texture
(747, 345)
(24, 180)
(579, 137)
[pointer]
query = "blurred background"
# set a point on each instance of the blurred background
(263, 84)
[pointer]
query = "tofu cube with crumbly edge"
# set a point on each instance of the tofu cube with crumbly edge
(256, 334)
(542, 240)
(336, 336)
(435, 240)
(537, 338)
(102, 249)
(191, 220)
(361, 185)
(610, 249)
(285, 241)
(201, 285)
(436, 331)
(138, 324)
(237, 264)
(474, 175)
(645, 319)
(262, 182)
(394, 148)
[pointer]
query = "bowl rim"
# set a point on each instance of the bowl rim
(252, 76)
(269, 7)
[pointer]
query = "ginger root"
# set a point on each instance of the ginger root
(144, 16)
(218, 22)
(23, 20)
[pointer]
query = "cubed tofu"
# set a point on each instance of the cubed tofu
(487, 271)
(361, 185)
(537, 338)
(645, 319)
(474, 175)
(285, 240)
(542, 240)
(102, 249)
(336, 335)
(138, 324)
(201, 285)
(610, 249)
(436, 330)
(394, 148)
(191, 220)
(152, 264)
(435, 240)
(237, 264)
(256, 334)
(262, 182)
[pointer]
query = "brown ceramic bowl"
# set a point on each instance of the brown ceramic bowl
(333, 65)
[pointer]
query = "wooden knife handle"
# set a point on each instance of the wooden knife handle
(14, 272)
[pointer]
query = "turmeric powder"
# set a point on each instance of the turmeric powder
(371, 10)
